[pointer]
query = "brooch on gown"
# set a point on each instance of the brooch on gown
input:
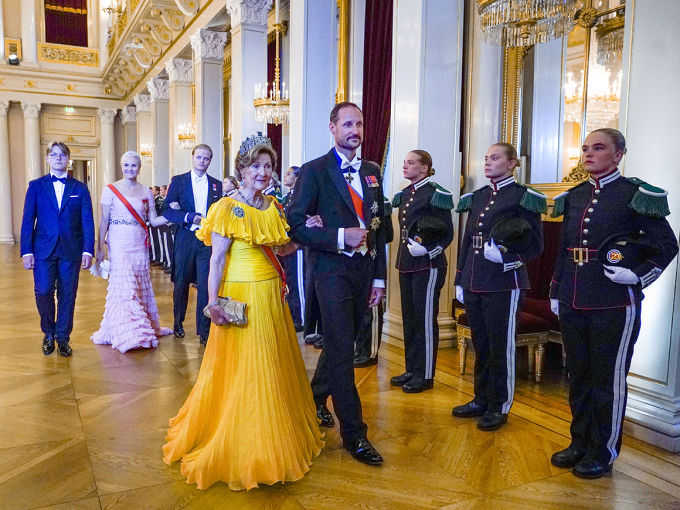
(238, 211)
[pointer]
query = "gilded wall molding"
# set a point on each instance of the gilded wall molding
(61, 54)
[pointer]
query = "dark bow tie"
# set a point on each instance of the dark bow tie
(60, 179)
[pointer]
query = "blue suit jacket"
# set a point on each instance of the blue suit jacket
(44, 223)
(182, 192)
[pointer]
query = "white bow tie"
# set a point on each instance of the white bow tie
(355, 165)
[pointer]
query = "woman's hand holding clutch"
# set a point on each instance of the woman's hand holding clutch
(219, 316)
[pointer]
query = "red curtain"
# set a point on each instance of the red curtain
(274, 132)
(66, 22)
(377, 90)
(541, 269)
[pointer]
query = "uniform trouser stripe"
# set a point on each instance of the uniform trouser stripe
(160, 246)
(153, 249)
(375, 331)
(300, 258)
(167, 252)
(429, 330)
(619, 389)
(510, 350)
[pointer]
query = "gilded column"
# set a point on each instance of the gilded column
(159, 90)
(144, 138)
(33, 159)
(208, 49)
(6, 234)
(181, 77)
(107, 145)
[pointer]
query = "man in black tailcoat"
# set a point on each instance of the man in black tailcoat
(348, 257)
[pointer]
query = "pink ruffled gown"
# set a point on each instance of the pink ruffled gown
(131, 318)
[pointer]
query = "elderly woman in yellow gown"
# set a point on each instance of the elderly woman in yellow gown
(250, 417)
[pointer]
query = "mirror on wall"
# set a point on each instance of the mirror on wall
(566, 84)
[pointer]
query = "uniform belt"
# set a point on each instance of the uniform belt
(478, 241)
(581, 255)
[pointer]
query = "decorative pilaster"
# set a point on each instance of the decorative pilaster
(208, 49)
(181, 77)
(107, 145)
(33, 156)
(6, 234)
(29, 41)
(129, 120)
(160, 124)
(248, 63)
(144, 135)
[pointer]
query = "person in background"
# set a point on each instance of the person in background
(294, 263)
(274, 188)
(192, 193)
(229, 185)
(598, 293)
(167, 233)
(57, 240)
(492, 281)
(155, 252)
(426, 230)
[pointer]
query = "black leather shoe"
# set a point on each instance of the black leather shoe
(590, 469)
(469, 410)
(204, 340)
(168, 270)
(325, 416)
(492, 420)
(319, 344)
(566, 458)
(64, 349)
(400, 380)
(365, 361)
(312, 339)
(298, 328)
(417, 384)
(364, 452)
(179, 331)
(48, 345)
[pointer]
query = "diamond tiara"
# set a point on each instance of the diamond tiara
(252, 141)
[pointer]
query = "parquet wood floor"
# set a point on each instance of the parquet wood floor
(85, 433)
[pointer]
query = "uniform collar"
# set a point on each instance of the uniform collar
(421, 182)
(502, 183)
(602, 181)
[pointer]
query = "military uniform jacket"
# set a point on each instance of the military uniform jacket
(424, 198)
(593, 211)
(486, 207)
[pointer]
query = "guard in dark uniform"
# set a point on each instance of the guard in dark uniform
(599, 303)
(294, 263)
(492, 283)
(369, 336)
(426, 230)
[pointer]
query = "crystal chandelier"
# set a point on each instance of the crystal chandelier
(524, 22)
(272, 105)
(609, 36)
(146, 152)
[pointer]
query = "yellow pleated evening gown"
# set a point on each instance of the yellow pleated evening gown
(251, 417)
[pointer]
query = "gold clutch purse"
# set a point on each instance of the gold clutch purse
(235, 310)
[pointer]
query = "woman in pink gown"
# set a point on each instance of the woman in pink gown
(131, 318)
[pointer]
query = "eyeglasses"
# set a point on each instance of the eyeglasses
(58, 155)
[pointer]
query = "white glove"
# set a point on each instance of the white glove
(459, 294)
(492, 253)
(621, 275)
(416, 249)
(555, 306)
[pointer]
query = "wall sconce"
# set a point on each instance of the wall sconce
(146, 152)
(110, 9)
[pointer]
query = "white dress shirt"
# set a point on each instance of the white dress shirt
(199, 186)
(59, 187)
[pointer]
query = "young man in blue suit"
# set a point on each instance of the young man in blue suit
(57, 239)
(189, 198)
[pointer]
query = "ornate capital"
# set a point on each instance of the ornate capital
(107, 115)
(159, 89)
(129, 114)
(143, 103)
(4, 106)
(208, 44)
(180, 70)
(249, 11)
(31, 110)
